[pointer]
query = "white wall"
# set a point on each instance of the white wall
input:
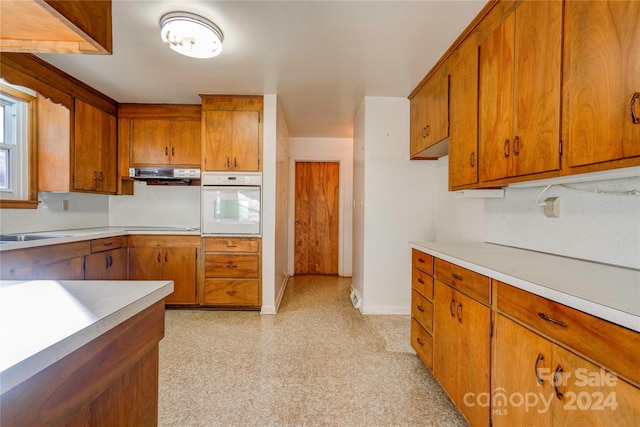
(395, 203)
(458, 220)
(326, 150)
(85, 211)
(598, 227)
(282, 207)
(156, 205)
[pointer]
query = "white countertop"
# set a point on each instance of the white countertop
(605, 291)
(76, 235)
(42, 321)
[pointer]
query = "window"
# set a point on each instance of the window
(17, 136)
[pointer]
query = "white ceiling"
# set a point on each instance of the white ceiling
(320, 57)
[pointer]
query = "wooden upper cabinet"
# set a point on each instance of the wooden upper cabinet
(429, 110)
(165, 142)
(519, 93)
(602, 82)
(47, 26)
(95, 165)
(463, 117)
(232, 133)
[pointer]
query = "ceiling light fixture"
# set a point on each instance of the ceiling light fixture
(191, 35)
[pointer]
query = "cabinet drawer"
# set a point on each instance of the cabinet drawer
(469, 282)
(613, 346)
(422, 343)
(232, 292)
(99, 245)
(422, 282)
(422, 311)
(422, 261)
(231, 265)
(231, 245)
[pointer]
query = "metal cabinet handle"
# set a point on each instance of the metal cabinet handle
(230, 244)
(100, 176)
(421, 281)
(166, 257)
(551, 320)
(106, 263)
(173, 151)
(459, 312)
(632, 106)
(420, 308)
(472, 159)
(540, 358)
(451, 304)
(231, 265)
(425, 131)
(232, 293)
(159, 256)
(298, 222)
(505, 148)
(421, 261)
(95, 175)
(166, 151)
(110, 261)
(228, 164)
(234, 163)
(455, 276)
(419, 341)
(516, 146)
(108, 244)
(556, 382)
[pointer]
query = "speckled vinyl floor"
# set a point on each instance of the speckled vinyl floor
(318, 362)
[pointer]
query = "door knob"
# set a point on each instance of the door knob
(297, 222)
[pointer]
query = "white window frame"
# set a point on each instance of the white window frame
(19, 134)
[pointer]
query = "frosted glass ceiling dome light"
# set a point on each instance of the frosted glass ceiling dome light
(191, 35)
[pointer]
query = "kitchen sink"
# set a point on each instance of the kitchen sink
(12, 238)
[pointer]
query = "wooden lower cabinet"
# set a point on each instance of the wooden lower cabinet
(62, 262)
(108, 265)
(537, 382)
(233, 272)
(461, 350)
(164, 257)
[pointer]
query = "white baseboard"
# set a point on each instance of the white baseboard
(385, 309)
(285, 282)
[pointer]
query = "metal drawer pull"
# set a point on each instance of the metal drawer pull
(421, 281)
(551, 320)
(451, 304)
(158, 256)
(421, 261)
(472, 159)
(632, 106)
(108, 243)
(540, 357)
(505, 148)
(419, 341)
(556, 382)
(232, 293)
(455, 276)
(516, 146)
(420, 308)
(459, 312)
(231, 265)
(230, 244)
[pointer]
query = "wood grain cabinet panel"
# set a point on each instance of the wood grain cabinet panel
(233, 274)
(561, 388)
(469, 282)
(602, 95)
(422, 343)
(519, 101)
(108, 265)
(96, 154)
(157, 142)
(167, 258)
(63, 261)
(231, 133)
(429, 117)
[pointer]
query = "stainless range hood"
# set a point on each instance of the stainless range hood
(165, 176)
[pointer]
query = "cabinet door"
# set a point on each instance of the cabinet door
(145, 263)
(602, 74)
(179, 265)
(108, 265)
(521, 366)
(218, 132)
(68, 269)
(590, 396)
(246, 141)
(538, 58)
(473, 321)
(446, 339)
(185, 142)
(495, 100)
(150, 142)
(463, 115)
(96, 158)
(418, 119)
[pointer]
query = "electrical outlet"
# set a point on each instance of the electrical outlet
(65, 205)
(552, 207)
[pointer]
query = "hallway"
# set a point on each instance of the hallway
(318, 362)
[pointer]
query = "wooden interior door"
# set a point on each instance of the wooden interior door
(316, 217)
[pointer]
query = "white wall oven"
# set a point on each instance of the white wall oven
(231, 204)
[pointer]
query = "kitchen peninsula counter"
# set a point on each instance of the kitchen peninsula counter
(71, 350)
(609, 292)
